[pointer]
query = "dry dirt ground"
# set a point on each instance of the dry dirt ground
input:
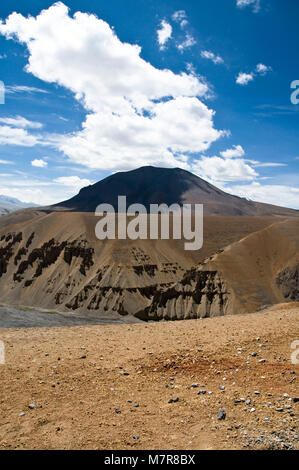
(109, 386)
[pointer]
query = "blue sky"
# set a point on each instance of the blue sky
(200, 85)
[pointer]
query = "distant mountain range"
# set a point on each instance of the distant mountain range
(152, 185)
(11, 204)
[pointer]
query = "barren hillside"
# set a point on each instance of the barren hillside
(53, 260)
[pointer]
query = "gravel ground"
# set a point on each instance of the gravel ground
(220, 383)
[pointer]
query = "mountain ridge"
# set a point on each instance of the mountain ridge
(153, 185)
(10, 204)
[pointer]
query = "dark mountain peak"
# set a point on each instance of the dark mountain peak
(154, 185)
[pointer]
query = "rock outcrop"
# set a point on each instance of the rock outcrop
(54, 261)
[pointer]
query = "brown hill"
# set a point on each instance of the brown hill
(151, 185)
(54, 261)
(260, 269)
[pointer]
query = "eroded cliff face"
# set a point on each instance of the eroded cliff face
(288, 281)
(200, 294)
(71, 275)
(65, 275)
(49, 263)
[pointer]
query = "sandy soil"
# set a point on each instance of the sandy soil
(79, 387)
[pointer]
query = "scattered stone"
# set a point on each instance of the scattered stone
(173, 400)
(136, 405)
(253, 354)
(221, 414)
(295, 399)
(222, 387)
(201, 392)
(194, 385)
(279, 409)
(262, 360)
(135, 438)
(83, 357)
(117, 410)
(248, 401)
(32, 406)
(22, 414)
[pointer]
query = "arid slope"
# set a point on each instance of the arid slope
(53, 260)
(260, 269)
(76, 378)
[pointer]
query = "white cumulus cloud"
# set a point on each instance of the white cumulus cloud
(236, 151)
(188, 42)
(217, 59)
(256, 4)
(39, 163)
(16, 136)
(180, 17)
(136, 114)
(74, 182)
(263, 69)
(244, 78)
(164, 34)
(280, 195)
(20, 121)
(216, 169)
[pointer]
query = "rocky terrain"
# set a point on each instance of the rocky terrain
(259, 270)
(52, 260)
(212, 383)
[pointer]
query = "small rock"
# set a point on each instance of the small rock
(135, 438)
(22, 413)
(173, 400)
(248, 401)
(32, 406)
(117, 410)
(221, 414)
(194, 385)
